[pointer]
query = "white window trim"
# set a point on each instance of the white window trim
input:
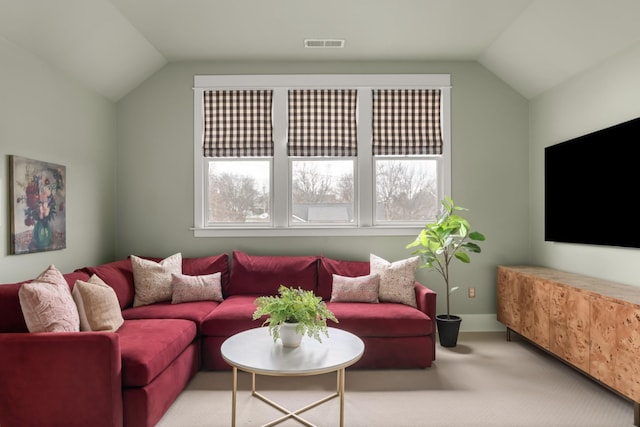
(280, 84)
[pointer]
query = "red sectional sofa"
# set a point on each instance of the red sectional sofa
(130, 377)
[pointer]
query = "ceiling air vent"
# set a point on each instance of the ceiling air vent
(324, 43)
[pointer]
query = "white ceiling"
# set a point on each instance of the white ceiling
(114, 45)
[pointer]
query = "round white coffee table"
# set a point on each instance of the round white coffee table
(255, 352)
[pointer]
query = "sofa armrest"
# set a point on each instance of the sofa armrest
(63, 378)
(426, 302)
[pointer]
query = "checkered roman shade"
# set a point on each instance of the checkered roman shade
(237, 123)
(406, 122)
(322, 122)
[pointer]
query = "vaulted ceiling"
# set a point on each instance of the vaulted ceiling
(114, 45)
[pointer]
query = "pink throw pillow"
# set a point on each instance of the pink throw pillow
(329, 266)
(196, 288)
(355, 289)
(47, 304)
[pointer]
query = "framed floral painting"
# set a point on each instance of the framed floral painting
(38, 206)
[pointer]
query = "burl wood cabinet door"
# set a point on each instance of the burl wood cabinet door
(508, 298)
(534, 303)
(570, 325)
(604, 346)
(628, 351)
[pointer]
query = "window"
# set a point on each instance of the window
(407, 143)
(237, 125)
(322, 142)
(319, 154)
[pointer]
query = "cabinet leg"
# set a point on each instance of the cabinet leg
(636, 414)
(508, 334)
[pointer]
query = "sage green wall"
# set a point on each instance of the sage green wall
(604, 96)
(490, 177)
(46, 116)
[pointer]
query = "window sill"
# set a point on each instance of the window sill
(306, 232)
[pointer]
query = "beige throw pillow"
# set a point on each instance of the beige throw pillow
(355, 289)
(47, 305)
(152, 280)
(396, 279)
(98, 305)
(196, 288)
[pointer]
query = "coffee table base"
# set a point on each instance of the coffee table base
(340, 373)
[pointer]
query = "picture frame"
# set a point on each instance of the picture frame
(38, 206)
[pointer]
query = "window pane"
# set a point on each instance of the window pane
(322, 191)
(239, 191)
(406, 190)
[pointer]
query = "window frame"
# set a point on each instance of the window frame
(364, 224)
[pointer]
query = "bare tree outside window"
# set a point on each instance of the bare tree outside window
(322, 191)
(406, 190)
(310, 185)
(238, 191)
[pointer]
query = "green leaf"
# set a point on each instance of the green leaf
(476, 236)
(463, 257)
(472, 247)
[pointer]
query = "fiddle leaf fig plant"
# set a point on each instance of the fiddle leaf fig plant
(446, 239)
(295, 306)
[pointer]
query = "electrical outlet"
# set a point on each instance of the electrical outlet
(472, 292)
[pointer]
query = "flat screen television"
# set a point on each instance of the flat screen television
(591, 188)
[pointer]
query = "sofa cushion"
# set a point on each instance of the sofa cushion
(263, 275)
(381, 320)
(327, 267)
(397, 279)
(11, 318)
(152, 280)
(47, 304)
(149, 346)
(195, 311)
(97, 304)
(118, 275)
(71, 278)
(232, 316)
(187, 288)
(355, 289)
(208, 265)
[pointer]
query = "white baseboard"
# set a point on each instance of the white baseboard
(480, 323)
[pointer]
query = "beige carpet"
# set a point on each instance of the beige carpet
(483, 382)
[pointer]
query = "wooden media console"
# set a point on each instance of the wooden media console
(592, 324)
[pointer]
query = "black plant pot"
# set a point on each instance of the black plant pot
(448, 328)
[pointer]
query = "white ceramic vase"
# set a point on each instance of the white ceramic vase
(289, 336)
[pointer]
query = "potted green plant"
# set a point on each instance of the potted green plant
(294, 310)
(439, 243)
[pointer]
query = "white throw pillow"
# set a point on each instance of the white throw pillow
(397, 279)
(152, 280)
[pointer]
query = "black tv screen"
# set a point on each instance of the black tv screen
(591, 188)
